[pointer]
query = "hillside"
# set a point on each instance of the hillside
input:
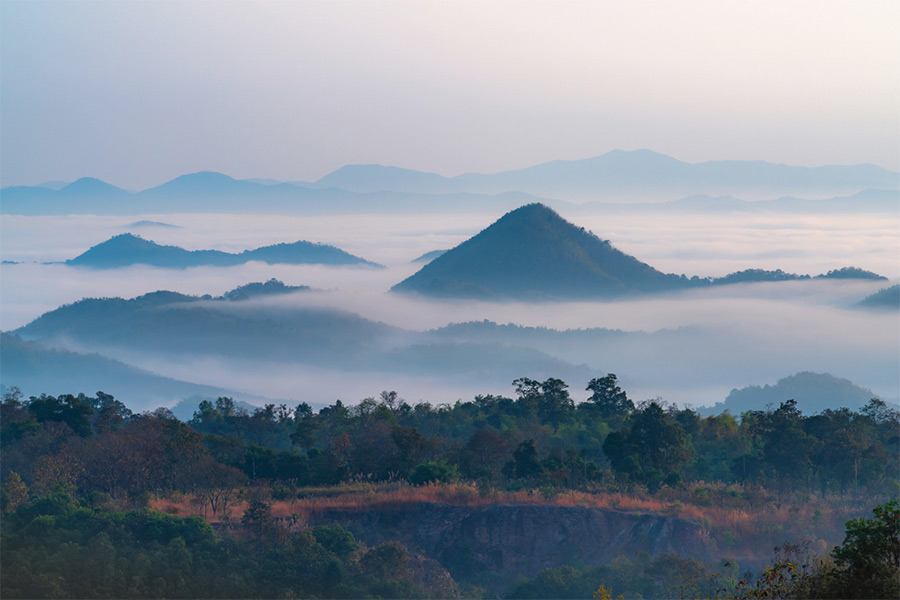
(533, 253)
(170, 324)
(813, 392)
(496, 544)
(36, 369)
(651, 180)
(623, 174)
(128, 249)
(885, 299)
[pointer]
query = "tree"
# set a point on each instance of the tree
(549, 399)
(410, 446)
(484, 453)
(868, 561)
(608, 397)
(525, 460)
(304, 434)
(217, 484)
(75, 412)
(13, 493)
(655, 447)
(109, 413)
(434, 472)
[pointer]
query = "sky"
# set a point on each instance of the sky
(137, 93)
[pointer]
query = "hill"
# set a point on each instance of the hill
(36, 369)
(172, 325)
(851, 273)
(886, 299)
(428, 256)
(813, 392)
(128, 249)
(533, 253)
(272, 287)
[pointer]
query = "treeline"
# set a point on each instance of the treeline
(54, 548)
(539, 438)
(78, 472)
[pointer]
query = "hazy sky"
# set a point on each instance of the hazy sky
(137, 93)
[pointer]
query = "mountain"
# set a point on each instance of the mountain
(851, 273)
(272, 287)
(204, 182)
(619, 176)
(145, 223)
(760, 275)
(90, 186)
(85, 192)
(54, 185)
(533, 253)
(377, 178)
(814, 392)
(865, 201)
(128, 249)
(625, 175)
(885, 299)
(171, 325)
(36, 369)
(428, 256)
(303, 253)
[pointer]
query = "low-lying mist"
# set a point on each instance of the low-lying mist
(690, 347)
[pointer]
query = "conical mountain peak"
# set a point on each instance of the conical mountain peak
(533, 253)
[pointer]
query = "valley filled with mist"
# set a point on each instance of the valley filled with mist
(350, 336)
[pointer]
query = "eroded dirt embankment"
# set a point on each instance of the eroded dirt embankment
(511, 540)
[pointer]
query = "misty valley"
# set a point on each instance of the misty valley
(626, 375)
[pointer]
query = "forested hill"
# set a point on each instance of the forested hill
(33, 367)
(533, 253)
(811, 391)
(886, 299)
(168, 323)
(128, 249)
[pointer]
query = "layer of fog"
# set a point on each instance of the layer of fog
(741, 334)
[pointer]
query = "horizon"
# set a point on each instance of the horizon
(139, 93)
(254, 179)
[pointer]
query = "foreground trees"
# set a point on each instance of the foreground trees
(541, 443)
(54, 548)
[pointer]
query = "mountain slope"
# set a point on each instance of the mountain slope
(172, 325)
(376, 178)
(533, 253)
(813, 392)
(629, 174)
(128, 249)
(617, 176)
(36, 369)
(884, 299)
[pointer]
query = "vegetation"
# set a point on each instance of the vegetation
(84, 477)
(128, 249)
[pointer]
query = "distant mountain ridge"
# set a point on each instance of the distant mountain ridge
(621, 176)
(619, 170)
(532, 253)
(127, 249)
